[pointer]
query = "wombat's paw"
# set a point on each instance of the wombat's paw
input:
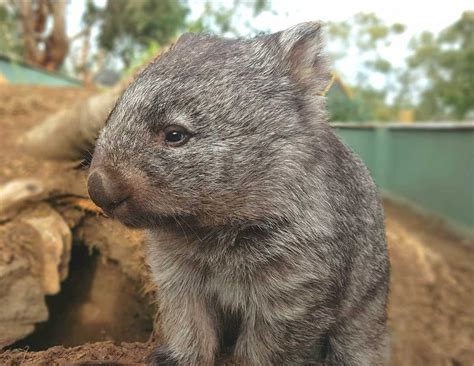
(161, 356)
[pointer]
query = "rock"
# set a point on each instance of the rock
(35, 247)
(22, 302)
(54, 246)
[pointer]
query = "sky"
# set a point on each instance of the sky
(417, 15)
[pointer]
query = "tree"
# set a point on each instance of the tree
(10, 36)
(446, 62)
(128, 27)
(81, 60)
(223, 19)
(44, 46)
(365, 35)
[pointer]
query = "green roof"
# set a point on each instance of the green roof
(20, 72)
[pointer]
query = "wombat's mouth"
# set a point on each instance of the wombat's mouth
(128, 214)
(115, 207)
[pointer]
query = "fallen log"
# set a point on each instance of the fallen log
(71, 133)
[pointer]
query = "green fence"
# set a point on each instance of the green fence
(429, 164)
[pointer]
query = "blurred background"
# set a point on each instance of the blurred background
(401, 96)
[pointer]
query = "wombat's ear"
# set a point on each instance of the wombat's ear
(302, 47)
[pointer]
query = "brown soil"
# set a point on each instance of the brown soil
(431, 306)
(126, 353)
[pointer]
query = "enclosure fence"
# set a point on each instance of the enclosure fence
(428, 165)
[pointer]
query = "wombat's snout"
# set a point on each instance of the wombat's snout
(108, 188)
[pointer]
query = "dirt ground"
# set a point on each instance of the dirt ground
(431, 307)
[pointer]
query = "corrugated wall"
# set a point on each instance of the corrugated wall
(430, 164)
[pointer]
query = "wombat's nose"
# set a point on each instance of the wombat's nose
(107, 188)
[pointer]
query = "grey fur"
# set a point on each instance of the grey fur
(263, 217)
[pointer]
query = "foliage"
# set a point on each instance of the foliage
(129, 27)
(437, 80)
(343, 109)
(365, 31)
(367, 104)
(447, 62)
(224, 20)
(10, 37)
(143, 58)
(367, 35)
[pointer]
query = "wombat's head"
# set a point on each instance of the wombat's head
(215, 129)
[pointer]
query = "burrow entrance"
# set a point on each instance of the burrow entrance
(97, 302)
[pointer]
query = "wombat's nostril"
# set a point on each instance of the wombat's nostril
(107, 188)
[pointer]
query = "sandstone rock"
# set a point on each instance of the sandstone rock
(21, 301)
(35, 247)
(54, 246)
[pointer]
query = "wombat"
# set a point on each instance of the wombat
(266, 234)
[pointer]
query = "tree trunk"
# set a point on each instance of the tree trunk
(57, 44)
(45, 51)
(85, 70)
(29, 25)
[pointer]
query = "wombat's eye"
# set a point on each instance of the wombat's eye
(176, 135)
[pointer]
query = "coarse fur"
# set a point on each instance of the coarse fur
(264, 222)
